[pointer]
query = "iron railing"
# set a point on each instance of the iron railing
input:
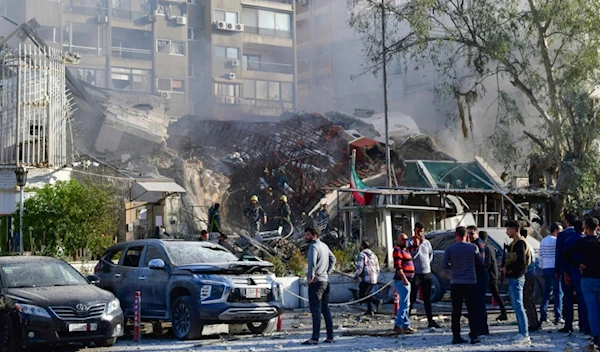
(267, 67)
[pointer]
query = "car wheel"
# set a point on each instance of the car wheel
(437, 291)
(263, 327)
(185, 320)
(10, 341)
(106, 342)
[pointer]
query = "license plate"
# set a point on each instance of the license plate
(83, 327)
(252, 293)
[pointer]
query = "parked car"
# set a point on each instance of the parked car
(191, 284)
(45, 301)
(497, 237)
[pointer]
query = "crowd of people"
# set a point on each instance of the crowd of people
(567, 258)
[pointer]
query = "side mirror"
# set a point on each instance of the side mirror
(156, 264)
(93, 279)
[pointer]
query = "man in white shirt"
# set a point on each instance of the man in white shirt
(551, 284)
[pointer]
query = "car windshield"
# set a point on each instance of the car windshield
(184, 253)
(45, 275)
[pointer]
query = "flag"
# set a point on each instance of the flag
(361, 198)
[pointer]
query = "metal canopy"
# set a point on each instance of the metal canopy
(153, 191)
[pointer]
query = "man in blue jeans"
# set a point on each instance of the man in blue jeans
(517, 260)
(320, 264)
(572, 279)
(588, 251)
(559, 270)
(551, 284)
(405, 270)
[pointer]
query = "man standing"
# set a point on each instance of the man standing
(483, 280)
(463, 259)
(323, 218)
(214, 219)
(320, 264)
(422, 256)
(204, 235)
(405, 270)
(493, 272)
(559, 270)
(367, 271)
(223, 242)
(517, 260)
(551, 284)
(572, 278)
(529, 289)
(285, 212)
(255, 216)
(588, 250)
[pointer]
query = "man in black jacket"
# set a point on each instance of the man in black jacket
(493, 271)
(517, 260)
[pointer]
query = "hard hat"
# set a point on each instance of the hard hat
(254, 197)
(283, 198)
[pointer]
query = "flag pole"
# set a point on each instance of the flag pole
(388, 171)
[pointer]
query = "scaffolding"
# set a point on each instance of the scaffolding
(34, 107)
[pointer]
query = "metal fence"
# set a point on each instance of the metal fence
(34, 107)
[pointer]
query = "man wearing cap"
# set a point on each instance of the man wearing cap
(254, 215)
(285, 212)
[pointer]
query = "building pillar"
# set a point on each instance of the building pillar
(389, 236)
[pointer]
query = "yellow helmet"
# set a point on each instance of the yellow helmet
(254, 198)
(283, 198)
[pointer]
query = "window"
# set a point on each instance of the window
(91, 76)
(250, 89)
(226, 89)
(265, 22)
(302, 31)
(84, 39)
(227, 16)
(193, 2)
(303, 83)
(321, 50)
(251, 62)
(49, 34)
(131, 79)
(225, 52)
(170, 47)
(153, 252)
(132, 257)
(113, 256)
(191, 33)
(178, 85)
(170, 84)
(268, 90)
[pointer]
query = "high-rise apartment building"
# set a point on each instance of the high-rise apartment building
(223, 59)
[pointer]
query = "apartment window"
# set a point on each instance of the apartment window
(84, 39)
(49, 34)
(227, 16)
(251, 62)
(267, 90)
(93, 77)
(303, 83)
(267, 22)
(193, 2)
(170, 47)
(132, 44)
(191, 33)
(131, 79)
(227, 52)
(170, 84)
(227, 89)
(322, 20)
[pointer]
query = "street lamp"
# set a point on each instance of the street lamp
(21, 174)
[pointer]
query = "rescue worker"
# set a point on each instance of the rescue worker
(214, 219)
(285, 212)
(255, 216)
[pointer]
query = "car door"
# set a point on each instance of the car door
(126, 278)
(108, 267)
(153, 283)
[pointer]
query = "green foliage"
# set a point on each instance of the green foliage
(70, 216)
(346, 258)
(279, 267)
(547, 51)
(297, 264)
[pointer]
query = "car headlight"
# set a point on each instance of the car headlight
(32, 310)
(113, 306)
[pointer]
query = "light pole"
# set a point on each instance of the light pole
(21, 174)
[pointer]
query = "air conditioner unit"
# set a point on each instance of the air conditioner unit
(220, 100)
(151, 18)
(235, 63)
(221, 25)
(165, 95)
(239, 27)
(230, 26)
(181, 20)
(231, 75)
(230, 100)
(102, 19)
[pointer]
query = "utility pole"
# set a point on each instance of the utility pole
(388, 171)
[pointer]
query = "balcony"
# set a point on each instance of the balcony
(268, 31)
(268, 67)
(128, 15)
(86, 10)
(285, 5)
(131, 53)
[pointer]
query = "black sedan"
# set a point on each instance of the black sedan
(45, 301)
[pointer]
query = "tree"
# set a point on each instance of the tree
(70, 215)
(548, 51)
